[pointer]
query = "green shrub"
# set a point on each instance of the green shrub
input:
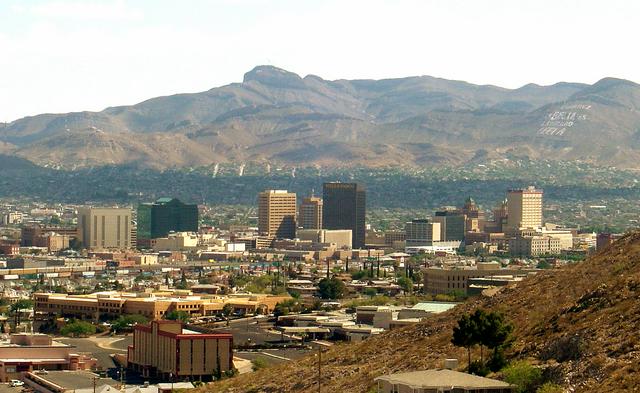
(78, 329)
(479, 368)
(524, 376)
(126, 322)
(497, 361)
(258, 363)
(550, 388)
(177, 315)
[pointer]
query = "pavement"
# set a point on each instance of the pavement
(100, 348)
(245, 330)
(5, 388)
(260, 332)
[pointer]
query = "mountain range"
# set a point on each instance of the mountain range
(276, 116)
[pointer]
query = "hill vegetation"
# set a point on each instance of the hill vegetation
(579, 325)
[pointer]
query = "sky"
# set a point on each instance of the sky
(74, 55)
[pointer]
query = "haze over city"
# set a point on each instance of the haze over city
(68, 55)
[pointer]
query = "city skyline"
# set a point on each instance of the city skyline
(296, 196)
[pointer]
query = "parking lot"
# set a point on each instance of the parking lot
(258, 331)
(101, 347)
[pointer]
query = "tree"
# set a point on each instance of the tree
(495, 334)
(55, 220)
(75, 244)
(418, 277)
(406, 284)
(544, 264)
(465, 335)
(78, 329)
(231, 281)
(371, 292)
(126, 322)
(360, 274)
(286, 306)
(487, 329)
(293, 293)
(183, 282)
(479, 317)
(227, 310)
(331, 288)
(280, 309)
(177, 315)
(17, 307)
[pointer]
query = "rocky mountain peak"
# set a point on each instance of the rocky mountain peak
(274, 77)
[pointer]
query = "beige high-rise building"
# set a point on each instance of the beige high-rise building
(422, 232)
(524, 208)
(311, 213)
(102, 228)
(277, 214)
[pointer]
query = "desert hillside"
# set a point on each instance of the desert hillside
(581, 324)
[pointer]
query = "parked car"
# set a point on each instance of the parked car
(15, 383)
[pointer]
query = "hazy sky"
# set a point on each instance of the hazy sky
(72, 55)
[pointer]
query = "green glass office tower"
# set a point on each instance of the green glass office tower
(163, 216)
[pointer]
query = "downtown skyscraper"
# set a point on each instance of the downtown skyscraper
(344, 207)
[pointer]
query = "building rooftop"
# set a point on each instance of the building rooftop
(434, 307)
(76, 379)
(433, 379)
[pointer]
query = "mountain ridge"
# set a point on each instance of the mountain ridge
(274, 115)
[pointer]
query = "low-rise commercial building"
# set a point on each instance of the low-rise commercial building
(23, 353)
(31, 234)
(165, 349)
(175, 241)
(151, 305)
(532, 246)
(444, 281)
(342, 238)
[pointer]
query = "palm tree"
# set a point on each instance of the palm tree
(17, 307)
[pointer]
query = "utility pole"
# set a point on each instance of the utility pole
(94, 384)
(319, 368)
